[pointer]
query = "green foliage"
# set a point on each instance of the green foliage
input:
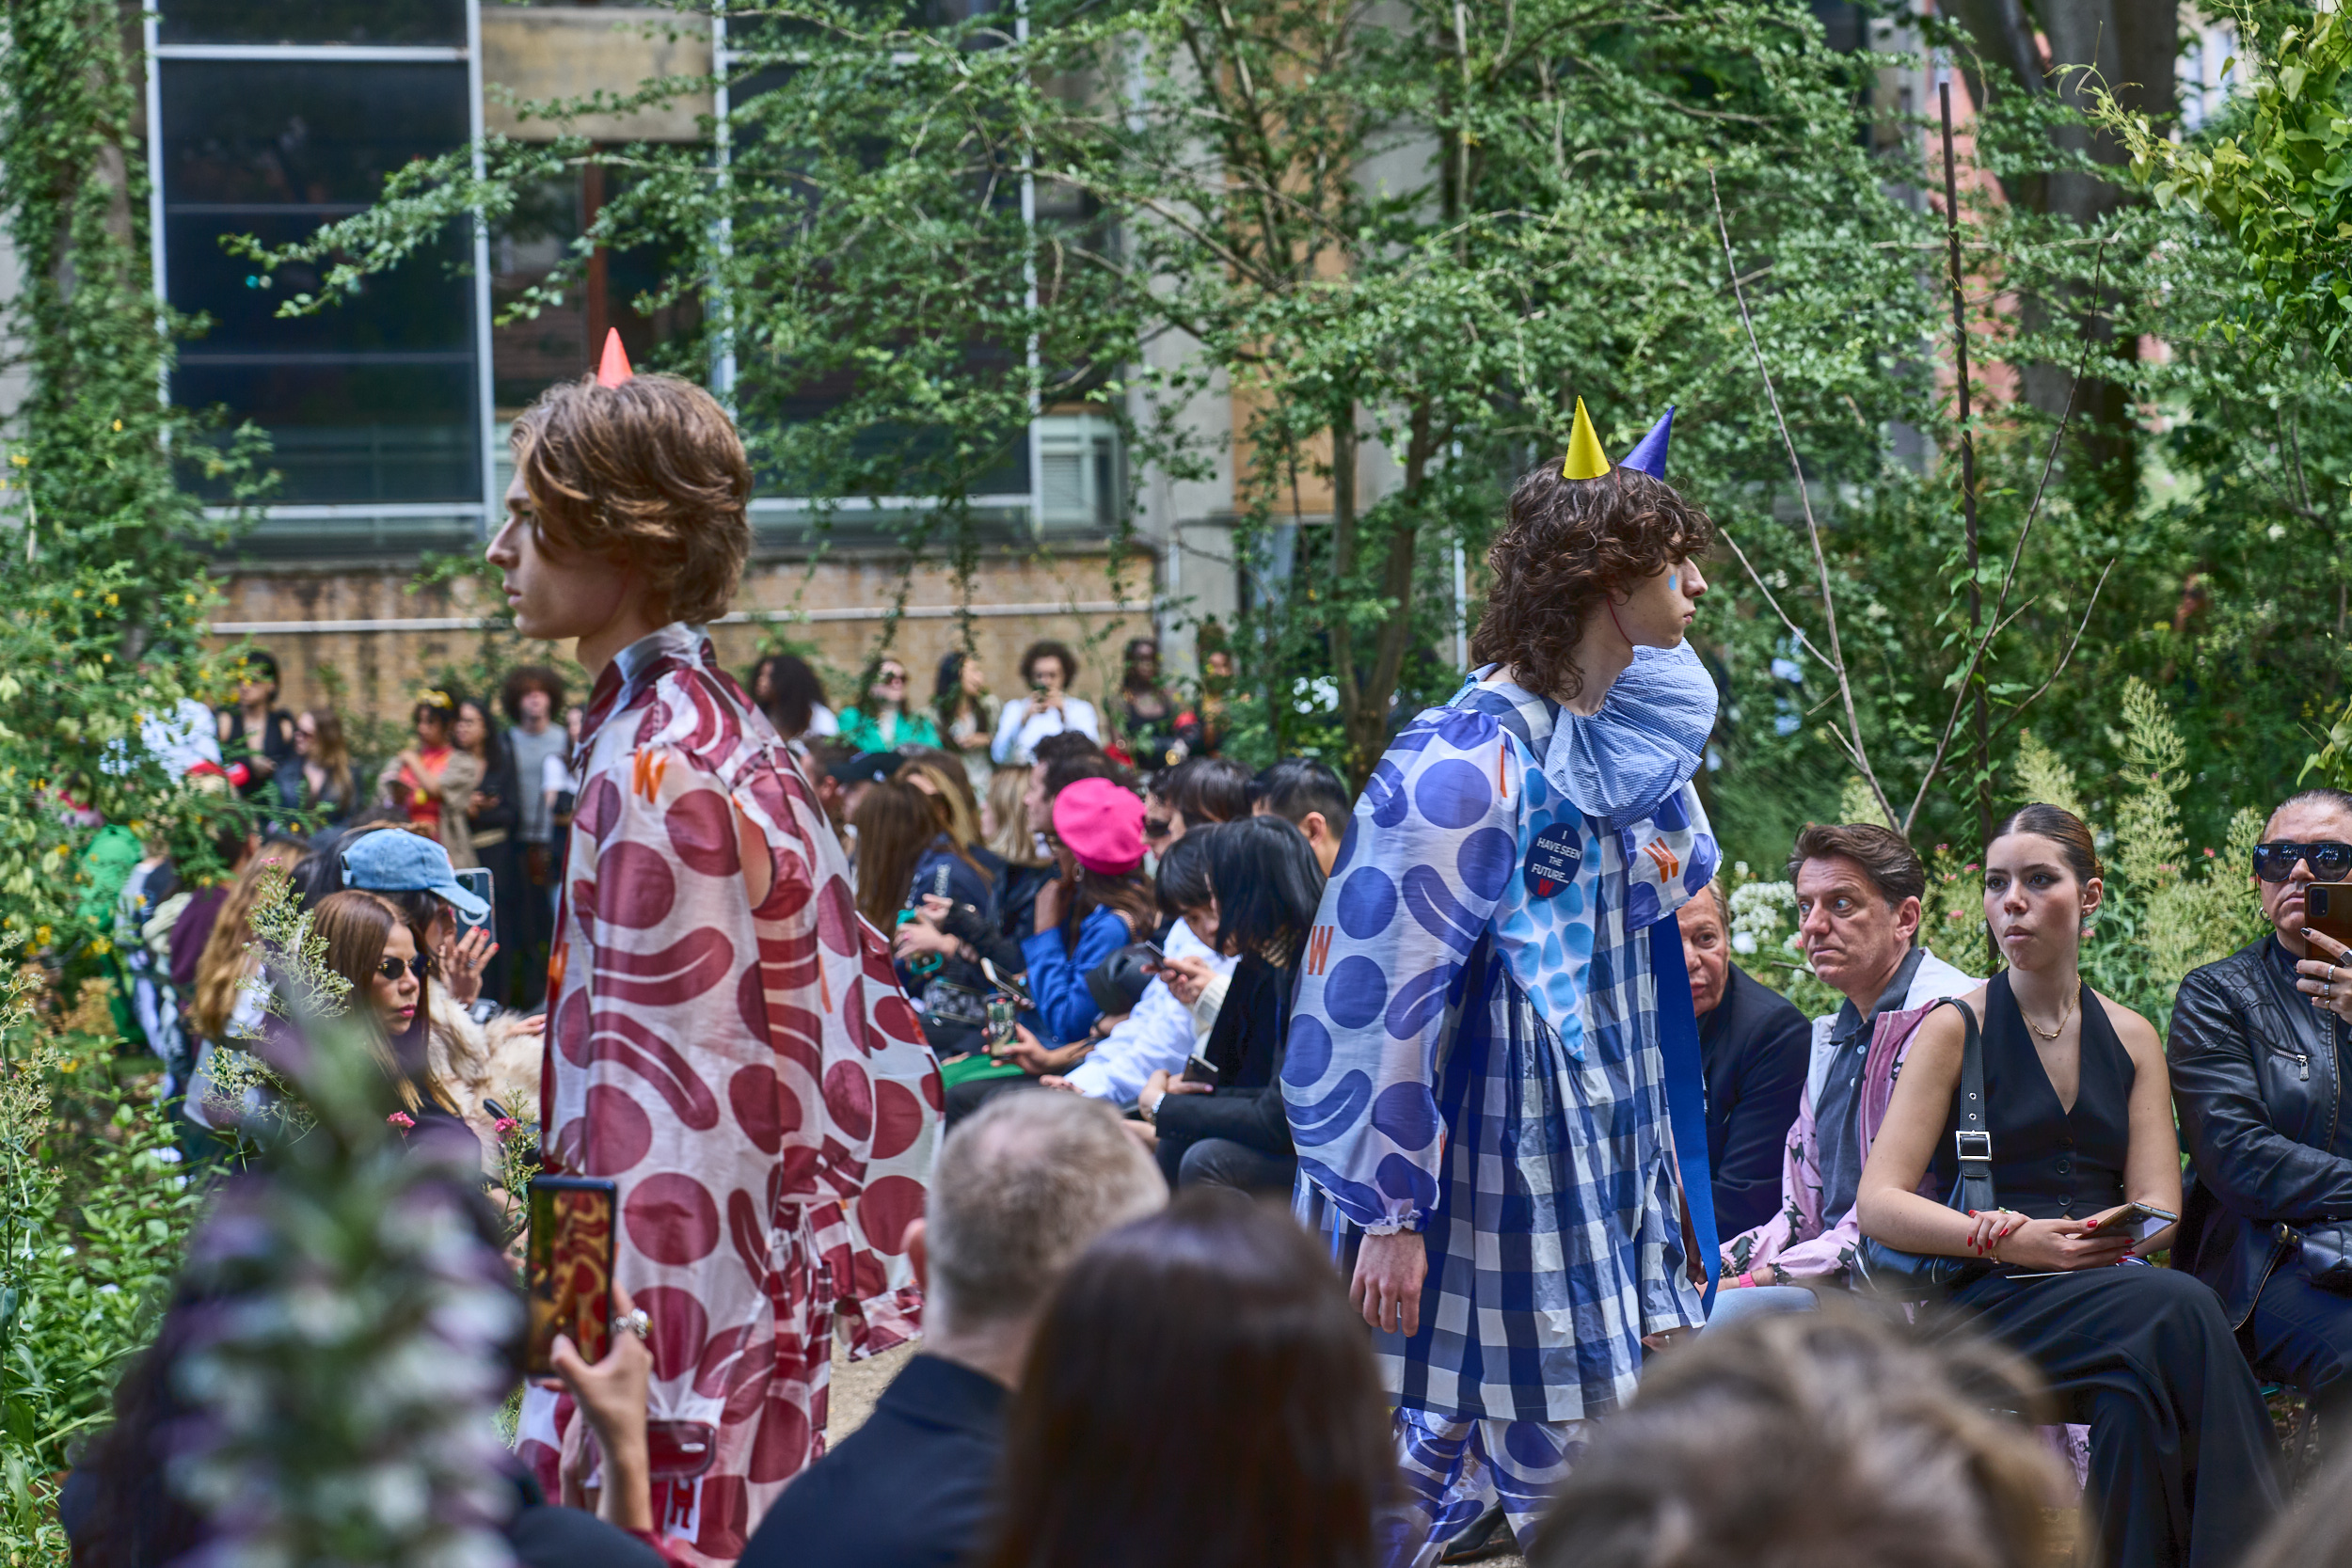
(95, 1207)
(108, 593)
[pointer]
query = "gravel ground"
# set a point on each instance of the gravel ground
(857, 1384)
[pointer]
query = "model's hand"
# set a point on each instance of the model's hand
(2059, 1245)
(1386, 1287)
(2325, 975)
(1185, 978)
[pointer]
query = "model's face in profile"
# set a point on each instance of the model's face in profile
(1661, 606)
(552, 595)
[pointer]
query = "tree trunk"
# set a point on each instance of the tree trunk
(2130, 45)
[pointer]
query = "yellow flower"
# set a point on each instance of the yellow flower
(68, 1065)
(118, 427)
(101, 947)
(40, 934)
(114, 598)
(20, 460)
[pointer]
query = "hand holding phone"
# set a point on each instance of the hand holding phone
(568, 1268)
(2139, 1221)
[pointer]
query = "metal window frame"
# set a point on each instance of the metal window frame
(487, 507)
(1032, 501)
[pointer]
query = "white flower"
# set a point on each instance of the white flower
(1743, 942)
(2276, 530)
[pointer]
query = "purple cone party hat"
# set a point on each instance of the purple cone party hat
(1649, 456)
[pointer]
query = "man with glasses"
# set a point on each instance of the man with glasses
(2256, 1051)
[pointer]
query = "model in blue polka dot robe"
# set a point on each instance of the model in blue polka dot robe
(1474, 1053)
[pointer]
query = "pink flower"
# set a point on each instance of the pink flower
(402, 1119)
(505, 1125)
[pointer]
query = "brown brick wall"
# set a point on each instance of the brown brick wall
(382, 669)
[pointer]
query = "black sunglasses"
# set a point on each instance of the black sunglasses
(2330, 860)
(1157, 827)
(419, 966)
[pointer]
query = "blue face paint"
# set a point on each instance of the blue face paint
(1673, 582)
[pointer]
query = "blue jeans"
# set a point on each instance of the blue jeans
(1757, 1301)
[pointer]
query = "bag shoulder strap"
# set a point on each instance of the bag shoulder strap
(1972, 1132)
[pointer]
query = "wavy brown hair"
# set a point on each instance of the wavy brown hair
(651, 473)
(1566, 545)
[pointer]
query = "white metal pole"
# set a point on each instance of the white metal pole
(493, 504)
(150, 25)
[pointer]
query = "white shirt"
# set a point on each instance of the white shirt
(1019, 729)
(1157, 1037)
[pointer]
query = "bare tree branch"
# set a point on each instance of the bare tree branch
(1852, 738)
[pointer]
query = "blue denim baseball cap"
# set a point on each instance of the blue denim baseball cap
(392, 861)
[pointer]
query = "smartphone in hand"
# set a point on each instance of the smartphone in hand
(568, 1268)
(2139, 1221)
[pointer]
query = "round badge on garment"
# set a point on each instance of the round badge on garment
(1554, 857)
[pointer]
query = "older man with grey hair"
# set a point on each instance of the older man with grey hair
(1019, 1191)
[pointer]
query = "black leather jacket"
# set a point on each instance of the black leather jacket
(2254, 1077)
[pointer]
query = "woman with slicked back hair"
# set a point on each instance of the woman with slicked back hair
(2077, 1111)
(1199, 1395)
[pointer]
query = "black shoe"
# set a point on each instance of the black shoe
(1488, 1536)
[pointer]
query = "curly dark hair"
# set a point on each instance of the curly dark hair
(1567, 544)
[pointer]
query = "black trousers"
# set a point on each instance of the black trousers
(2301, 1335)
(2184, 1461)
(1223, 1162)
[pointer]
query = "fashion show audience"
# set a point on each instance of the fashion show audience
(2076, 1122)
(1756, 1047)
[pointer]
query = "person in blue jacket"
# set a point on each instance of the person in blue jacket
(1475, 1076)
(1099, 904)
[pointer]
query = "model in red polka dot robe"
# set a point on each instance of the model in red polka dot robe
(727, 1041)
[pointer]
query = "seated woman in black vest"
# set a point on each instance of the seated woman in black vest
(2257, 1073)
(2080, 1114)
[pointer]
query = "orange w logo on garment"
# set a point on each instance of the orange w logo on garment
(646, 770)
(1318, 949)
(1669, 864)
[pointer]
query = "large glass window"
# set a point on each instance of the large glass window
(270, 119)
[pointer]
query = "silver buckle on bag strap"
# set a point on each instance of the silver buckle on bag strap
(1974, 1145)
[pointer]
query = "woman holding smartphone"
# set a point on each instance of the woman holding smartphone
(2078, 1106)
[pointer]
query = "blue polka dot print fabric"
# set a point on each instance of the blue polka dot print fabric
(1436, 856)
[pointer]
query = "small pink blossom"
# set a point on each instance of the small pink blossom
(505, 1125)
(402, 1119)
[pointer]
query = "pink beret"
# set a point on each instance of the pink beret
(1103, 825)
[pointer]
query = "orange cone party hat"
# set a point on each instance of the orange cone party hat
(613, 369)
(1585, 459)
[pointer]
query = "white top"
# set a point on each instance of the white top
(1023, 725)
(1156, 1036)
(822, 720)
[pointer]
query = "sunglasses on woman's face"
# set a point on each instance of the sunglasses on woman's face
(1156, 827)
(2330, 859)
(390, 968)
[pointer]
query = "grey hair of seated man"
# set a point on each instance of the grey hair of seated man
(1018, 1191)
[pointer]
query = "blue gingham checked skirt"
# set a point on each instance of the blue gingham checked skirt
(1556, 1243)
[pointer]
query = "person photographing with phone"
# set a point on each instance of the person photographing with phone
(2257, 1057)
(1047, 669)
(2075, 1127)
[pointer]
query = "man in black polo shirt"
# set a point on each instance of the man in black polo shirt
(1020, 1190)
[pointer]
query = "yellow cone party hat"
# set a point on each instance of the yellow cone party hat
(1585, 459)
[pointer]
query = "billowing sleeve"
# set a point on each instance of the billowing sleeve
(1433, 843)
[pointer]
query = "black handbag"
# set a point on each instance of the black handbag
(1920, 1276)
(2323, 1252)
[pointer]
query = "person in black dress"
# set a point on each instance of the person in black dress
(2079, 1109)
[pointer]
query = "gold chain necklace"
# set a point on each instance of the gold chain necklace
(2063, 1017)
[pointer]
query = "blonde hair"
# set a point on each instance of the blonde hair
(951, 783)
(331, 752)
(1012, 839)
(224, 963)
